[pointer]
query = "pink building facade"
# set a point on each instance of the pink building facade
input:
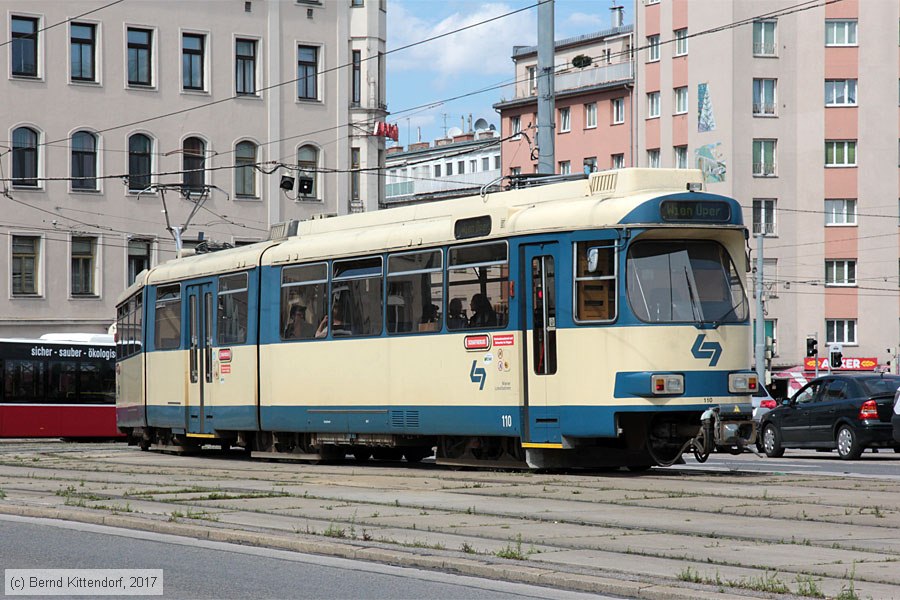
(795, 114)
(593, 106)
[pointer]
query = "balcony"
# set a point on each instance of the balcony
(581, 78)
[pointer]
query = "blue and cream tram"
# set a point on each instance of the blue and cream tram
(584, 323)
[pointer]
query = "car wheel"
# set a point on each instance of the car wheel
(847, 445)
(772, 442)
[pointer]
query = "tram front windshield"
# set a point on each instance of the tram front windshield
(679, 281)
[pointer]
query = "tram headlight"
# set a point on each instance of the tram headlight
(667, 384)
(742, 383)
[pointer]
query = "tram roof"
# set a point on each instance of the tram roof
(603, 199)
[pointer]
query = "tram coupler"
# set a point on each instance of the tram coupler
(729, 431)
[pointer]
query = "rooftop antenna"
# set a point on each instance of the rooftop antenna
(444, 115)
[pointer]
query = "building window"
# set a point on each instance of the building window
(139, 55)
(652, 105)
(192, 49)
(840, 92)
(681, 157)
(83, 262)
(589, 165)
(496, 163)
(564, 120)
(356, 78)
(308, 166)
(25, 157)
(245, 67)
(245, 172)
(83, 51)
(437, 171)
(652, 48)
(307, 67)
(485, 163)
(138, 258)
(681, 42)
(840, 272)
(764, 38)
(840, 33)
(653, 158)
(840, 211)
(763, 158)
(25, 264)
(354, 174)
(590, 115)
(193, 163)
(515, 171)
(84, 161)
(840, 331)
(840, 153)
(764, 216)
(681, 100)
(764, 97)
(357, 3)
(461, 166)
(24, 46)
(618, 111)
(515, 127)
(617, 161)
(565, 167)
(448, 169)
(139, 162)
(473, 166)
(531, 74)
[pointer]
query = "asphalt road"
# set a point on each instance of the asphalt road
(203, 569)
(882, 464)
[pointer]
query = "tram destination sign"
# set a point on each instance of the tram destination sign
(695, 211)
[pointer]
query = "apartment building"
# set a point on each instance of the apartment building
(791, 109)
(593, 105)
(123, 122)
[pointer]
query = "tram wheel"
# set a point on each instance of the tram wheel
(415, 455)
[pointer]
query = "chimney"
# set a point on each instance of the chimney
(618, 15)
(470, 123)
(418, 134)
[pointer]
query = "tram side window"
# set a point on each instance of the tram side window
(356, 297)
(121, 321)
(23, 381)
(137, 322)
(415, 292)
(478, 280)
(232, 309)
(304, 290)
(595, 281)
(168, 317)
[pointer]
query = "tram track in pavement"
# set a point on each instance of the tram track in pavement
(681, 531)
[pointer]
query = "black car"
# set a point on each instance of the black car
(850, 412)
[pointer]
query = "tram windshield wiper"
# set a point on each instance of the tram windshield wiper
(730, 311)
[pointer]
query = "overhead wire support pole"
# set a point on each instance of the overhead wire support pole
(545, 91)
(760, 351)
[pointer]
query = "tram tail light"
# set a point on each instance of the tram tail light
(668, 384)
(742, 383)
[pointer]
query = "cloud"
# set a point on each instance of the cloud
(580, 22)
(484, 49)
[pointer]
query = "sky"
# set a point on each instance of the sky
(468, 61)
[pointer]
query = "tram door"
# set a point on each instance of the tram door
(541, 391)
(200, 340)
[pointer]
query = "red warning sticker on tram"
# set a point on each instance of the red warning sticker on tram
(477, 342)
(226, 369)
(225, 355)
(506, 339)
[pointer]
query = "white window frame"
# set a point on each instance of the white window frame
(39, 48)
(653, 48)
(653, 158)
(840, 272)
(848, 85)
(840, 212)
(680, 157)
(154, 57)
(617, 161)
(96, 268)
(515, 127)
(618, 111)
(762, 169)
(681, 42)
(765, 47)
(845, 146)
(841, 331)
(256, 64)
(38, 268)
(565, 120)
(841, 32)
(652, 105)
(761, 108)
(764, 211)
(590, 115)
(681, 100)
(98, 49)
(565, 167)
(206, 87)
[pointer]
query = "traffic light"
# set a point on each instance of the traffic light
(835, 356)
(812, 347)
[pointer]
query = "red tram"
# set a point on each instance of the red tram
(61, 385)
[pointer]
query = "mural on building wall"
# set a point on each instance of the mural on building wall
(712, 162)
(706, 121)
